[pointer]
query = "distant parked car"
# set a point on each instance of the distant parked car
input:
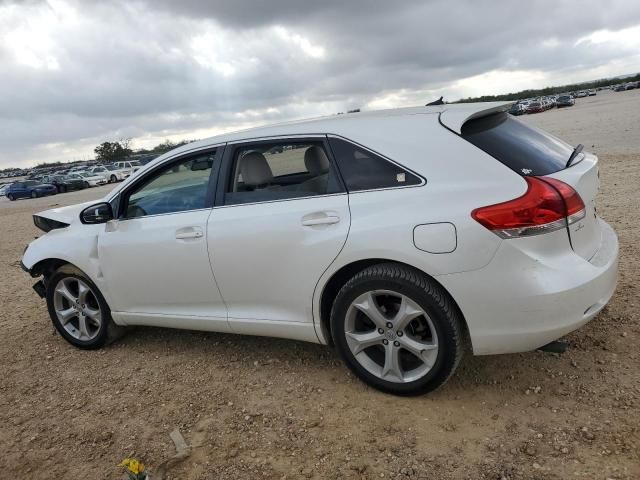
(517, 109)
(111, 173)
(581, 94)
(30, 188)
(89, 179)
(132, 166)
(535, 107)
(592, 93)
(565, 101)
(3, 190)
(631, 86)
(65, 183)
(619, 88)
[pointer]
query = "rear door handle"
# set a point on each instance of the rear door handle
(320, 218)
(189, 232)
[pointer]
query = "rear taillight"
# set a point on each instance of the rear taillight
(548, 205)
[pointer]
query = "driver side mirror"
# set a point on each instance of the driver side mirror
(98, 213)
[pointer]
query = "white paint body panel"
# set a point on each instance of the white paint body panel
(267, 263)
(257, 270)
(150, 271)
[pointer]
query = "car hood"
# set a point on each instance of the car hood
(70, 214)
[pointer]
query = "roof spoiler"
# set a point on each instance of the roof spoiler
(454, 116)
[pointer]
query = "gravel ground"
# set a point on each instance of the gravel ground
(266, 408)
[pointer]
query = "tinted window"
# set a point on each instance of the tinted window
(524, 149)
(277, 171)
(176, 187)
(364, 170)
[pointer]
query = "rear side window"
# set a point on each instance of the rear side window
(526, 150)
(364, 170)
(266, 172)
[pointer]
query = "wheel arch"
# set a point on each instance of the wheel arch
(342, 276)
(47, 266)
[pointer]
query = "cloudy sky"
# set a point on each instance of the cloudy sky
(74, 73)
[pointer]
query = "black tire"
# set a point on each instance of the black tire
(86, 185)
(108, 331)
(62, 189)
(34, 194)
(113, 179)
(432, 299)
(10, 197)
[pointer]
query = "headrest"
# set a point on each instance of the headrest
(255, 170)
(316, 161)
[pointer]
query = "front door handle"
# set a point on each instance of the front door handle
(320, 218)
(189, 232)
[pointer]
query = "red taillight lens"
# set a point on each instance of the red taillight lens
(543, 208)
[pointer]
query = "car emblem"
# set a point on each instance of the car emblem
(526, 171)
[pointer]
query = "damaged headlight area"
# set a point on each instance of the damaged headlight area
(47, 224)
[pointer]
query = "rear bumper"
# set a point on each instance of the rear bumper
(518, 302)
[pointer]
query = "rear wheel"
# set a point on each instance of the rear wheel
(79, 311)
(10, 197)
(397, 330)
(86, 185)
(34, 194)
(114, 179)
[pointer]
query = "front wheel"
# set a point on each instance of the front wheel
(86, 185)
(10, 197)
(34, 194)
(78, 310)
(397, 329)
(113, 179)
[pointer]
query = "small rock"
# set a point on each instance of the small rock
(233, 453)
(537, 466)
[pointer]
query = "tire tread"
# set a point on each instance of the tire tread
(402, 273)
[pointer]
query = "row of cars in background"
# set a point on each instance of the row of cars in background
(567, 99)
(542, 104)
(76, 178)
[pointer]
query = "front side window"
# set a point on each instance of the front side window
(277, 171)
(364, 170)
(177, 187)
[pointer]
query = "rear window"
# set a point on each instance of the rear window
(526, 150)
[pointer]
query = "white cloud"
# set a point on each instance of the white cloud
(76, 73)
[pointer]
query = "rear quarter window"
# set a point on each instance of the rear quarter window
(524, 149)
(362, 169)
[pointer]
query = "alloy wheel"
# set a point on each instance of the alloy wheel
(77, 308)
(391, 336)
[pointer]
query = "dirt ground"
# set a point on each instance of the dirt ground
(266, 408)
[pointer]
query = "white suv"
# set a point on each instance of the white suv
(111, 173)
(132, 166)
(403, 237)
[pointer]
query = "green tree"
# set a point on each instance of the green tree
(113, 151)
